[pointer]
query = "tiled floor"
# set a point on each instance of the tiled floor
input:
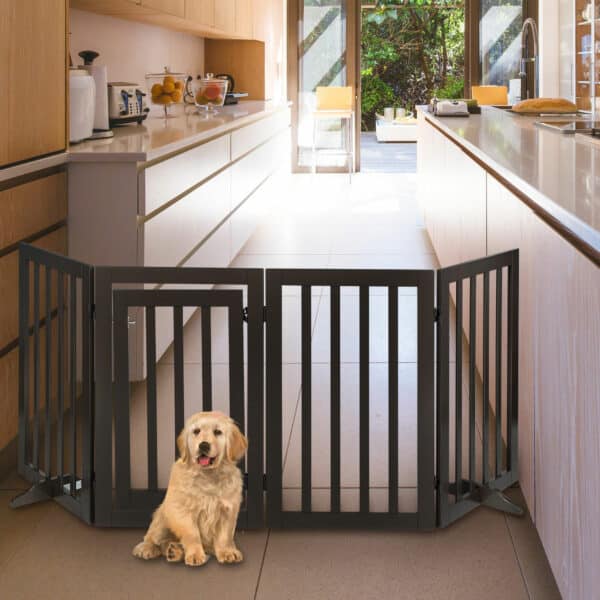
(320, 222)
(386, 157)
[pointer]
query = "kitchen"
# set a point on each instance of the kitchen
(485, 184)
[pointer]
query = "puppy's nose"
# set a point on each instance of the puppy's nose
(204, 447)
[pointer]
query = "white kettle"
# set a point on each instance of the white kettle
(82, 105)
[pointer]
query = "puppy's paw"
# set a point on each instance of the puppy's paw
(195, 556)
(174, 552)
(146, 550)
(229, 555)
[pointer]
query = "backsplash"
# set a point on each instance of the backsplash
(130, 50)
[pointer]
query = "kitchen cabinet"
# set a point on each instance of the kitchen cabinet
(243, 18)
(33, 103)
(225, 15)
(169, 7)
(200, 11)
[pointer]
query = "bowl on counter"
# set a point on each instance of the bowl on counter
(166, 89)
(210, 92)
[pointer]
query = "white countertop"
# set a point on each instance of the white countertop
(559, 173)
(158, 137)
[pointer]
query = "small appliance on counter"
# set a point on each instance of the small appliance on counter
(451, 108)
(126, 103)
(99, 73)
(82, 94)
(232, 96)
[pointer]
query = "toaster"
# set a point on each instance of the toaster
(126, 103)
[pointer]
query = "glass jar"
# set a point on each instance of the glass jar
(166, 89)
(210, 92)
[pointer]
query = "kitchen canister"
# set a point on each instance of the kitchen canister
(82, 104)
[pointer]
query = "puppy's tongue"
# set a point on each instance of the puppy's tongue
(204, 461)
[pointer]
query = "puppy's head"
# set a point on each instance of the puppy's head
(210, 439)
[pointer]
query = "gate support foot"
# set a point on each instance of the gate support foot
(38, 492)
(471, 490)
(498, 501)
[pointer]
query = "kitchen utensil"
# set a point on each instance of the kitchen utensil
(82, 93)
(99, 73)
(166, 89)
(210, 92)
(126, 103)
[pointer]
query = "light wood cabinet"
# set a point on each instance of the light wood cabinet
(169, 7)
(33, 69)
(243, 18)
(200, 11)
(225, 15)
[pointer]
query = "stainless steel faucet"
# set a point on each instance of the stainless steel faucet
(529, 26)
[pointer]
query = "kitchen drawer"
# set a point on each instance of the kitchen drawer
(9, 285)
(173, 233)
(246, 138)
(31, 207)
(248, 173)
(167, 179)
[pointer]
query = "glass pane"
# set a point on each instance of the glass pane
(500, 40)
(322, 62)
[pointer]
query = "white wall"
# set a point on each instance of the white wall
(549, 28)
(130, 50)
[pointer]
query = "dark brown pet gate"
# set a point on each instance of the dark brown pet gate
(96, 435)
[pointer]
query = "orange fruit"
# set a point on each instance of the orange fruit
(157, 89)
(177, 95)
(179, 84)
(168, 87)
(169, 79)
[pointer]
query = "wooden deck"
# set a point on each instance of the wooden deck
(386, 157)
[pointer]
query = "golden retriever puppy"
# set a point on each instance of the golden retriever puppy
(199, 513)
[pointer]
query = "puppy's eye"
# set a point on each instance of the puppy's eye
(196, 431)
(217, 432)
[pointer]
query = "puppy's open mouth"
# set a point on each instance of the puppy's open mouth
(206, 461)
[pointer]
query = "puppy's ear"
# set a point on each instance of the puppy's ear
(182, 446)
(236, 444)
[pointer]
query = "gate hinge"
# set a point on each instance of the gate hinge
(436, 314)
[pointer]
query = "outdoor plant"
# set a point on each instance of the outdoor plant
(411, 50)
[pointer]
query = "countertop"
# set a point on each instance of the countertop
(558, 174)
(158, 137)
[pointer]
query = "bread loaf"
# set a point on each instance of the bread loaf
(545, 105)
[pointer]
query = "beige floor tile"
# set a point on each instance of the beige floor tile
(17, 526)
(70, 560)
(471, 560)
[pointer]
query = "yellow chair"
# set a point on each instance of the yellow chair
(490, 94)
(335, 102)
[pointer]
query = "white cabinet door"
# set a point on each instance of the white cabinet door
(167, 179)
(173, 233)
(246, 138)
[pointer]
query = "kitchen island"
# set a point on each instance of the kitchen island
(184, 191)
(494, 182)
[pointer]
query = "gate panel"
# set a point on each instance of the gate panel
(485, 409)
(334, 281)
(117, 503)
(55, 374)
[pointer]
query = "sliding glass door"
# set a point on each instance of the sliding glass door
(322, 50)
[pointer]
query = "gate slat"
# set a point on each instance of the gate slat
(60, 442)
(486, 378)
(73, 378)
(364, 422)
(178, 371)
(151, 417)
(498, 372)
(306, 399)
(472, 367)
(393, 399)
(458, 391)
(236, 371)
(206, 358)
(335, 399)
(36, 366)
(48, 437)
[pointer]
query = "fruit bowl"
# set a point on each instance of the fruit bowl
(209, 93)
(166, 89)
